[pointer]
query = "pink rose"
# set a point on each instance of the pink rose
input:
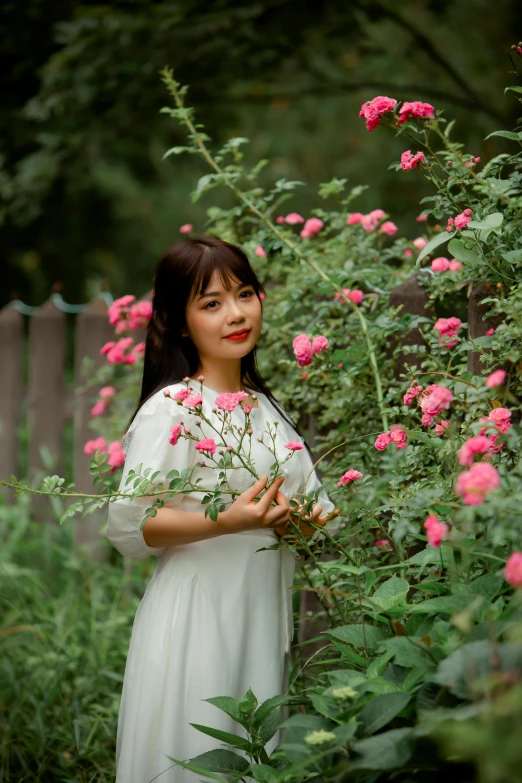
(260, 252)
(420, 243)
(495, 379)
(435, 399)
(440, 427)
(455, 265)
(98, 409)
(398, 436)
(513, 570)
(293, 218)
(382, 441)
(411, 393)
(350, 475)
(409, 161)
(354, 218)
(116, 456)
(416, 109)
(280, 219)
(436, 531)
(490, 332)
(302, 346)
(389, 228)
(228, 401)
(207, 444)
(474, 484)
(192, 400)
(447, 328)
(93, 445)
(293, 445)
(182, 394)
(369, 223)
(186, 228)
(319, 343)
(383, 543)
(440, 264)
(373, 110)
(311, 228)
(421, 218)
(480, 444)
(107, 391)
(174, 434)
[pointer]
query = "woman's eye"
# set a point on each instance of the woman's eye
(214, 301)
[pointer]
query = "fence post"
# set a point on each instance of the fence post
(46, 397)
(92, 332)
(415, 301)
(477, 325)
(11, 355)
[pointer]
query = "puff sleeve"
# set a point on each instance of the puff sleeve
(149, 445)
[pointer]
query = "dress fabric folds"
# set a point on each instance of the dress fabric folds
(216, 617)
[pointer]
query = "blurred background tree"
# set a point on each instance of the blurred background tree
(87, 202)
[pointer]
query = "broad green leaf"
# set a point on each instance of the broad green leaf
(221, 760)
(226, 704)
(514, 88)
(408, 652)
(266, 708)
(490, 222)
(356, 635)
(434, 242)
(386, 751)
(224, 736)
(382, 710)
(447, 604)
(264, 773)
(457, 249)
(391, 594)
(512, 256)
(488, 586)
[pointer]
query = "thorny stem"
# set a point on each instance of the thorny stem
(172, 87)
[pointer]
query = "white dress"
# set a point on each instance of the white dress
(216, 618)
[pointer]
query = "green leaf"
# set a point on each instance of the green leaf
(473, 662)
(512, 256)
(438, 239)
(506, 134)
(221, 760)
(264, 773)
(458, 249)
(514, 88)
(391, 594)
(408, 654)
(447, 604)
(490, 222)
(389, 750)
(382, 710)
(488, 586)
(224, 736)
(266, 708)
(355, 634)
(226, 704)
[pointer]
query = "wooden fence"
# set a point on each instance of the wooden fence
(46, 403)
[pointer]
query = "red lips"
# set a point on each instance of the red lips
(242, 332)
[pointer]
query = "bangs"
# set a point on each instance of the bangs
(229, 261)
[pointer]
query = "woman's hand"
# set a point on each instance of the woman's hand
(245, 514)
(306, 530)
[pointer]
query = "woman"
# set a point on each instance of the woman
(216, 618)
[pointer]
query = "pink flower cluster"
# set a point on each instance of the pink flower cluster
(447, 329)
(396, 434)
(409, 161)
(115, 351)
(442, 264)
(349, 476)
(417, 109)
(228, 401)
(124, 313)
(104, 397)
(472, 161)
(207, 445)
(500, 418)
(373, 110)
(433, 401)
(292, 219)
(116, 456)
(371, 221)
(480, 444)
(436, 531)
(306, 348)
(260, 252)
(312, 227)
(459, 222)
(513, 570)
(414, 390)
(475, 484)
(356, 295)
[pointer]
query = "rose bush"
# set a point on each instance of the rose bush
(422, 602)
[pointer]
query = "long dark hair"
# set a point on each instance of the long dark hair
(169, 356)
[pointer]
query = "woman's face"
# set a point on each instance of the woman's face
(218, 313)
